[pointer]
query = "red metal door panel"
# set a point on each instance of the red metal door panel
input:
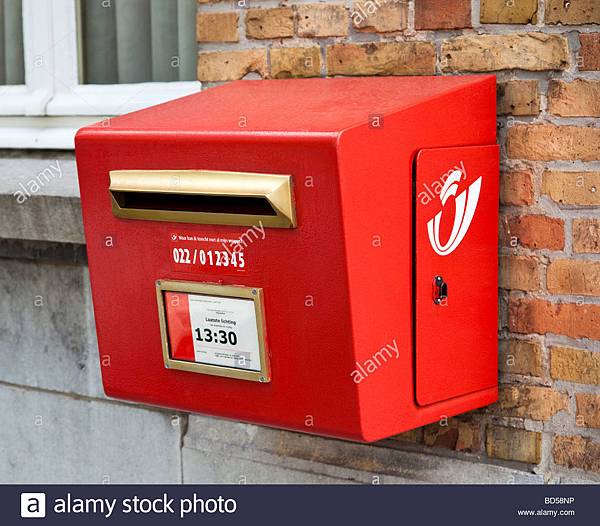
(456, 243)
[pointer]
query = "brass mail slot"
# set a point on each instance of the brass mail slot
(204, 197)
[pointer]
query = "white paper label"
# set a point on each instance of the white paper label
(224, 331)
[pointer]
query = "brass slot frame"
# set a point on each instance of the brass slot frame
(210, 289)
(275, 189)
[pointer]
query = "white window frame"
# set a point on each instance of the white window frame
(48, 109)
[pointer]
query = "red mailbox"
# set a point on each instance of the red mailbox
(318, 255)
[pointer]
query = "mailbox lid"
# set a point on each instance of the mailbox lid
(456, 218)
(284, 108)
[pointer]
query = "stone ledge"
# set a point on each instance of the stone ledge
(39, 198)
(228, 450)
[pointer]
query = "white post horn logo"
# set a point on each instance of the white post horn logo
(463, 213)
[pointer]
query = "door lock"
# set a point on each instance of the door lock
(440, 290)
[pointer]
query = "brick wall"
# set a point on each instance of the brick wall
(546, 55)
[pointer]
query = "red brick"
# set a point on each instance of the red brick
(516, 188)
(533, 231)
(530, 315)
(437, 14)
(589, 52)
